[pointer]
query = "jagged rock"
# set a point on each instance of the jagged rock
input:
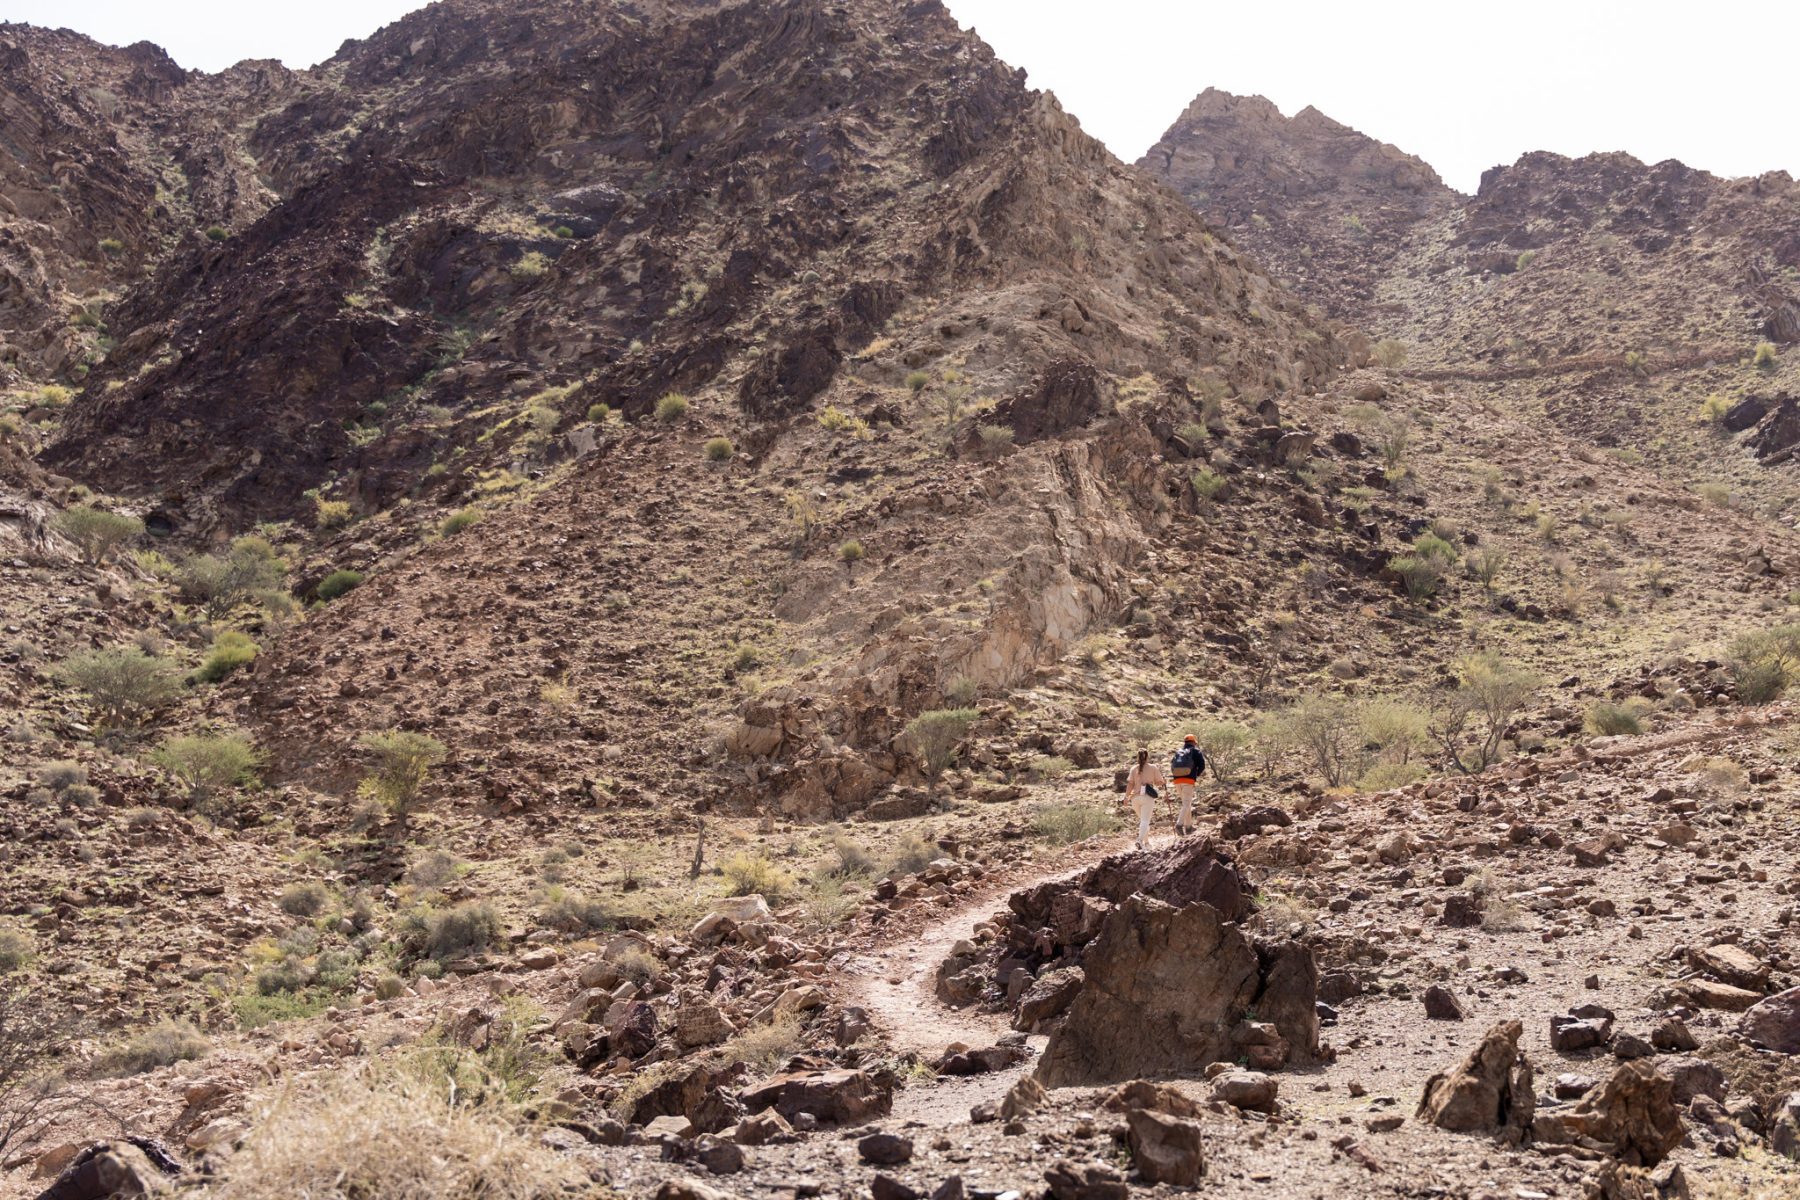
(763, 1128)
(1166, 988)
(1489, 1091)
(1745, 413)
(1085, 1181)
(1253, 821)
(1461, 911)
(835, 1097)
(1441, 1004)
(1023, 1098)
(1165, 1149)
(700, 1024)
(1784, 1127)
(1671, 1035)
(980, 1062)
(1692, 1077)
(1733, 965)
(1632, 1112)
(1704, 993)
(697, 1094)
(1774, 1023)
(124, 1169)
(1049, 995)
(884, 1149)
(1570, 1033)
(718, 1156)
(1160, 1097)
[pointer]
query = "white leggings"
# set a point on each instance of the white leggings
(1144, 806)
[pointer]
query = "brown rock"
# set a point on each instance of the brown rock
(839, 1097)
(1704, 993)
(763, 1128)
(1774, 1023)
(1165, 1149)
(1249, 1090)
(1692, 1077)
(114, 1169)
(1165, 986)
(1671, 1034)
(1733, 965)
(1159, 1097)
(1048, 997)
(1489, 1090)
(691, 1189)
(1441, 1004)
(1085, 1181)
(1252, 821)
(1023, 1098)
(884, 1149)
(1632, 1111)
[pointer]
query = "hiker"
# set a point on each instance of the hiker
(1185, 769)
(1140, 793)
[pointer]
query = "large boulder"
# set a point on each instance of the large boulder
(1490, 1091)
(126, 1169)
(1774, 1023)
(838, 1097)
(1632, 1113)
(1165, 1149)
(1167, 991)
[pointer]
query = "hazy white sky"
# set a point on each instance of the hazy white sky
(1464, 86)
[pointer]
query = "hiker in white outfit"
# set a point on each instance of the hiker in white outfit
(1140, 793)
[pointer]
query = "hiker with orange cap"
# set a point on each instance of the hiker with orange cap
(1184, 777)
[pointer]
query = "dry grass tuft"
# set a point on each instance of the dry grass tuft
(400, 1131)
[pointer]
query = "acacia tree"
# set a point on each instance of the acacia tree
(937, 737)
(1470, 721)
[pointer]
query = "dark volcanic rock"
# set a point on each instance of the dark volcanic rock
(1489, 1091)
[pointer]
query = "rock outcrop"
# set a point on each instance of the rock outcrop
(1490, 1091)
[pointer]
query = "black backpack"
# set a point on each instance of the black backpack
(1180, 763)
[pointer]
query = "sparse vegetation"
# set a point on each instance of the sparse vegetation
(719, 449)
(937, 736)
(765, 1047)
(533, 264)
(402, 760)
(1765, 663)
(1061, 824)
(95, 531)
(1763, 357)
(672, 407)
(221, 583)
(17, 950)
(209, 763)
(331, 514)
(305, 899)
(851, 551)
(123, 684)
(159, 1045)
(461, 519)
(337, 584)
(1207, 484)
(1605, 718)
(1470, 722)
(748, 873)
(995, 440)
(1390, 353)
(916, 381)
(1713, 409)
(1224, 743)
(447, 934)
(230, 650)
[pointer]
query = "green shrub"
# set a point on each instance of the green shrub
(111, 247)
(1326, 728)
(599, 413)
(851, 551)
(719, 449)
(1764, 664)
(1386, 776)
(937, 737)
(533, 264)
(916, 381)
(962, 692)
(305, 899)
(1207, 483)
(459, 520)
(166, 1042)
(1713, 409)
(749, 873)
(209, 763)
(995, 440)
(1607, 719)
(1469, 723)
(1224, 744)
(230, 650)
(216, 233)
(95, 531)
(1764, 355)
(220, 583)
(1485, 564)
(672, 407)
(763, 1048)
(1061, 824)
(338, 583)
(1716, 494)
(402, 759)
(123, 684)
(572, 912)
(850, 858)
(61, 776)
(1421, 576)
(443, 935)
(331, 514)
(1433, 546)
(1046, 768)
(563, 232)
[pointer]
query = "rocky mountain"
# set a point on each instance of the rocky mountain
(578, 582)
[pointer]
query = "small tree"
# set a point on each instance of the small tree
(1224, 743)
(95, 531)
(937, 737)
(1390, 353)
(123, 684)
(996, 440)
(402, 759)
(1765, 663)
(1470, 721)
(209, 763)
(1325, 727)
(220, 582)
(32, 1096)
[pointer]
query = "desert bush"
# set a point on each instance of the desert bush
(851, 551)
(1195, 434)
(962, 692)
(217, 233)
(434, 868)
(1764, 355)
(307, 898)
(218, 582)
(95, 531)
(1224, 743)
(331, 514)
(461, 519)
(1431, 545)
(1390, 353)
(995, 440)
(167, 1041)
(1607, 719)
(1713, 409)
(1422, 577)
(533, 264)
(209, 763)
(1207, 484)
(437, 1123)
(911, 855)
(338, 583)
(230, 650)
(639, 966)
(937, 736)
(750, 873)
(916, 381)
(1061, 824)
(401, 759)
(1470, 721)
(672, 407)
(572, 912)
(1716, 494)
(445, 934)
(1393, 729)
(1765, 663)
(1386, 776)
(1325, 728)
(719, 449)
(1046, 768)
(849, 858)
(123, 684)
(599, 414)
(61, 776)
(765, 1047)
(17, 950)
(1485, 564)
